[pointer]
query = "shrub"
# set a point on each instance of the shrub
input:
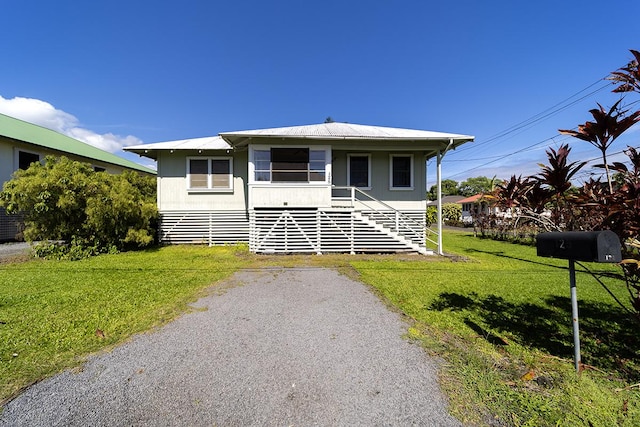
(83, 211)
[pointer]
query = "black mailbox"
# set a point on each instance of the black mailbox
(590, 246)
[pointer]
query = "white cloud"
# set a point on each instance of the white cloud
(46, 115)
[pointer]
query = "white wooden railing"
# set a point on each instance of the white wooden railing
(384, 213)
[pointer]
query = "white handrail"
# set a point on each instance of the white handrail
(397, 218)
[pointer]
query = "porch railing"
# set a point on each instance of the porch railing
(381, 212)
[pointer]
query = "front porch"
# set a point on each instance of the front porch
(354, 223)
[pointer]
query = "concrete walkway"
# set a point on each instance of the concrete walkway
(286, 347)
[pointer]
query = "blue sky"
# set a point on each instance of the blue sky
(128, 72)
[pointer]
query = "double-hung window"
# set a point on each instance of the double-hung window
(289, 165)
(210, 173)
(401, 172)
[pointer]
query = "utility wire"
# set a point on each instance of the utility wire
(538, 117)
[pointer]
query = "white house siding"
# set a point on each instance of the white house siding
(172, 185)
(292, 195)
(201, 217)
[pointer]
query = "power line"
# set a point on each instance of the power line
(539, 116)
(555, 109)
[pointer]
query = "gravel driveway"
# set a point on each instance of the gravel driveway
(303, 346)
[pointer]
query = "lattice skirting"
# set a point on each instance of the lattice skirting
(292, 230)
(322, 231)
(204, 227)
(11, 226)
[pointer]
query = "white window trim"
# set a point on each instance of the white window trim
(412, 172)
(368, 156)
(327, 166)
(209, 188)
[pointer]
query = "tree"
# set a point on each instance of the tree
(91, 212)
(449, 188)
(480, 184)
(601, 133)
(628, 78)
(556, 177)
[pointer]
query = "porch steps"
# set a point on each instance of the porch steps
(395, 235)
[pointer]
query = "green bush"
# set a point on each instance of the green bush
(84, 212)
(432, 215)
(451, 213)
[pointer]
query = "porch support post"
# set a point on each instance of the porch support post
(439, 196)
(440, 155)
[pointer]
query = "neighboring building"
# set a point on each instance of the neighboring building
(332, 187)
(478, 204)
(23, 143)
(445, 200)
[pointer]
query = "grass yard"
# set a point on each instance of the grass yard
(54, 313)
(501, 319)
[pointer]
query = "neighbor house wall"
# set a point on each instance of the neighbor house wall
(11, 225)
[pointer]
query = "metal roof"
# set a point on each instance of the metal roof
(347, 131)
(206, 143)
(429, 141)
(29, 133)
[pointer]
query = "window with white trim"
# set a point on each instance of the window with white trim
(210, 173)
(289, 164)
(359, 170)
(401, 172)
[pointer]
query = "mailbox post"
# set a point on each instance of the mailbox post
(588, 246)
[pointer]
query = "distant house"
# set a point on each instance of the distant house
(446, 200)
(478, 204)
(332, 187)
(23, 143)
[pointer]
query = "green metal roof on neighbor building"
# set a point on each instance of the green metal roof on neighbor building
(37, 135)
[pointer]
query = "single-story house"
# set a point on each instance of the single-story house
(331, 187)
(22, 143)
(478, 204)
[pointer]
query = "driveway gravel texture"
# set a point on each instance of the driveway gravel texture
(278, 347)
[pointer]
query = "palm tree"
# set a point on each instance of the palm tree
(601, 133)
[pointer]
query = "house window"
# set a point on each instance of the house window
(358, 170)
(291, 164)
(401, 172)
(25, 159)
(210, 173)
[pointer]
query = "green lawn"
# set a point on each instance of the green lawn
(50, 310)
(501, 313)
(499, 317)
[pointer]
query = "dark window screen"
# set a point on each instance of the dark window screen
(25, 159)
(289, 155)
(359, 171)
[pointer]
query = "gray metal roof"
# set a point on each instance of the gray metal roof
(336, 130)
(429, 141)
(206, 143)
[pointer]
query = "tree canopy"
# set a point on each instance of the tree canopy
(471, 186)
